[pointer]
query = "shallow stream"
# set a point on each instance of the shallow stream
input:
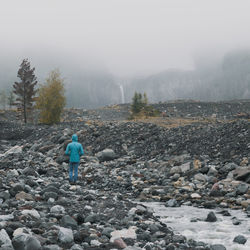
(223, 231)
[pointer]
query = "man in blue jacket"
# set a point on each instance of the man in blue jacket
(74, 150)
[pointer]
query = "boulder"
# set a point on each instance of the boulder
(211, 217)
(65, 235)
(106, 155)
(240, 239)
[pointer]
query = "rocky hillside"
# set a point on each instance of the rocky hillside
(202, 162)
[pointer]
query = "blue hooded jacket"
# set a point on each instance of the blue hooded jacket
(74, 149)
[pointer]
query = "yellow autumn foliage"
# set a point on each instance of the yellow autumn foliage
(51, 99)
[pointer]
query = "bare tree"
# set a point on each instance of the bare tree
(25, 89)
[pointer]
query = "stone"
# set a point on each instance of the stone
(240, 239)
(106, 155)
(19, 241)
(197, 164)
(200, 177)
(57, 209)
(68, 222)
(52, 247)
(92, 218)
(28, 171)
(212, 171)
(241, 189)
(4, 238)
(124, 233)
(32, 243)
(211, 217)
(185, 167)
(14, 150)
(107, 231)
(242, 173)
(218, 247)
(24, 196)
(171, 203)
(32, 213)
(65, 235)
(119, 243)
(76, 247)
(95, 243)
(195, 196)
(6, 217)
(48, 195)
(175, 170)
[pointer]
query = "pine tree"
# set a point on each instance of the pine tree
(51, 99)
(25, 89)
(136, 103)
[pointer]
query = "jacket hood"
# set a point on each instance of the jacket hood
(74, 137)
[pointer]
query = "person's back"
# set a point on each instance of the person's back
(75, 150)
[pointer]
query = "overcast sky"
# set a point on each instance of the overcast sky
(125, 37)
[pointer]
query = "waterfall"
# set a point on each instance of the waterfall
(122, 93)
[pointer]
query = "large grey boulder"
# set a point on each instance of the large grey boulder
(106, 155)
(26, 242)
(65, 235)
(4, 238)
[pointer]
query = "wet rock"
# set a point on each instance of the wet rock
(211, 217)
(240, 239)
(236, 221)
(172, 203)
(218, 247)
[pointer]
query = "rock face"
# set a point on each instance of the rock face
(201, 164)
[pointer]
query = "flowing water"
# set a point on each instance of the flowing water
(220, 232)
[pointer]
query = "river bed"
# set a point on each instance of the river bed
(223, 231)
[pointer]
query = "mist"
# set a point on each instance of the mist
(179, 45)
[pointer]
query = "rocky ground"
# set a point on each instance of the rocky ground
(203, 162)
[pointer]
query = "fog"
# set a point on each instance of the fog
(118, 40)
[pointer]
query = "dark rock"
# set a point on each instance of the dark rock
(28, 171)
(211, 217)
(240, 239)
(93, 218)
(106, 155)
(68, 222)
(218, 247)
(172, 203)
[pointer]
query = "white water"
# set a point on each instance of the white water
(220, 232)
(122, 93)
